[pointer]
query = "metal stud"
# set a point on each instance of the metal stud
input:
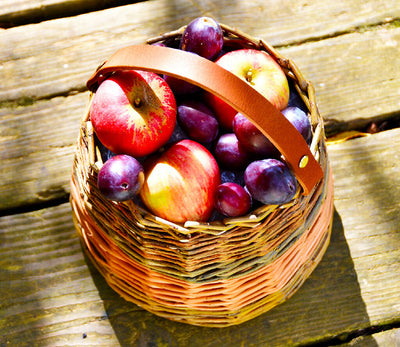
(303, 162)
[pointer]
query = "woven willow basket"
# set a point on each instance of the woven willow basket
(212, 274)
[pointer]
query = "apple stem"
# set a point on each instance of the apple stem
(137, 102)
(249, 75)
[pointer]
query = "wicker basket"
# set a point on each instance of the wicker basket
(212, 274)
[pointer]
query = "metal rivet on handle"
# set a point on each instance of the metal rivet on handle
(303, 162)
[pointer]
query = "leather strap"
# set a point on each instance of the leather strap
(227, 86)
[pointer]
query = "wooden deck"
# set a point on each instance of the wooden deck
(50, 295)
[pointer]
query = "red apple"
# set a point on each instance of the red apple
(261, 71)
(133, 112)
(180, 185)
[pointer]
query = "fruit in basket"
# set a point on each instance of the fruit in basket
(120, 178)
(300, 121)
(253, 139)
(270, 181)
(105, 153)
(180, 87)
(203, 36)
(261, 71)
(232, 200)
(177, 135)
(230, 153)
(198, 121)
(295, 98)
(180, 185)
(235, 176)
(133, 112)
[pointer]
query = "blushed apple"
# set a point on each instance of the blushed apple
(133, 112)
(180, 185)
(261, 71)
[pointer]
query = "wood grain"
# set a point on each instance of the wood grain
(69, 49)
(52, 295)
(19, 12)
(367, 191)
(37, 143)
(45, 284)
(384, 338)
(355, 75)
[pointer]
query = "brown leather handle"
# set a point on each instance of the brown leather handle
(230, 88)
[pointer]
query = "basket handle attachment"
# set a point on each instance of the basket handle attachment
(228, 87)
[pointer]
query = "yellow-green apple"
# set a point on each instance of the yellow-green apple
(261, 71)
(180, 185)
(133, 112)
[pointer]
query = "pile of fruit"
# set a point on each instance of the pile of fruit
(183, 152)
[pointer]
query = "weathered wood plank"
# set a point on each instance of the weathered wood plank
(367, 192)
(17, 12)
(70, 48)
(390, 338)
(45, 284)
(291, 22)
(387, 338)
(37, 137)
(356, 76)
(50, 296)
(37, 143)
(20, 11)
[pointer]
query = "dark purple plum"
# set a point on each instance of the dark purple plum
(252, 138)
(232, 200)
(203, 36)
(230, 153)
(300, 121)
(120, 178)
(180, 87)
(234, 176)
(177, 135)
(270, 181)
(294, 97)
(198, 121)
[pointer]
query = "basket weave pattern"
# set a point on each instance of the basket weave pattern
(210, 274)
